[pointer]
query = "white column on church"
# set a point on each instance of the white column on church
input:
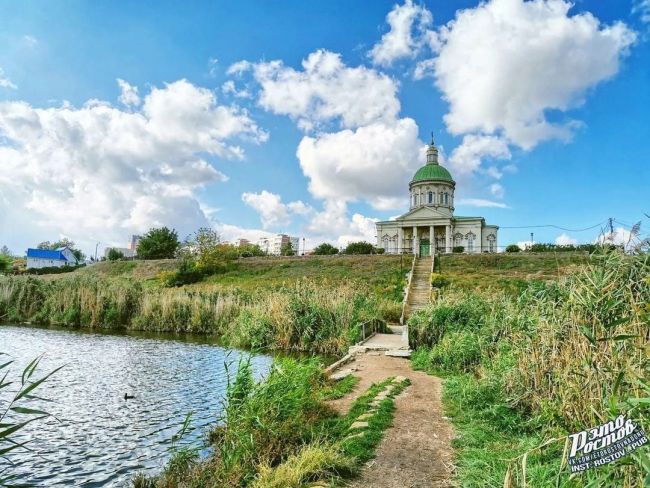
(432, 244)
(400, 240)
(448, 238)
(415, 240)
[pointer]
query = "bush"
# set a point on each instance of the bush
(114, 254)
(53, 269)
(325, 249)
(159, 243)
(458, 249)
(513, 248)
(428, 326)
(457, 352)
(250, 250)
(438, 280)
(188, 272)
(359, 248)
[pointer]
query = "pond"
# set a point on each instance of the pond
(98, 438)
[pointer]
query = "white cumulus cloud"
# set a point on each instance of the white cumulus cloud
(565, 240)
(324, 90)
(273, 212)
(128, 94)
(408, 29)
(503, 64)
(373, 163)
(467, 158)
(6, 82)
(99, 173)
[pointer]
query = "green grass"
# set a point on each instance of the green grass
(509, 272)
(340, 388)
(363, 448)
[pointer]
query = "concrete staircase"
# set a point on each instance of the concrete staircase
(420, 292)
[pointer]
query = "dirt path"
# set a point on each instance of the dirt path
(416, 452)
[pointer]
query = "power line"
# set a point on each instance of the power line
(553, 226)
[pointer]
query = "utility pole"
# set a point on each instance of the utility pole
(611, 228)
(532, 240)
(96, 246)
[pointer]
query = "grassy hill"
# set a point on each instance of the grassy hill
(383, 274)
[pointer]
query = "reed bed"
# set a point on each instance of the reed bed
(323, 317)
(559, 358)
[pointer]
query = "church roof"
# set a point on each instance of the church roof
(432, 171)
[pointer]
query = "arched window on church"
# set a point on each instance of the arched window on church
(491, 243)
(414, 200)
(446, 198)
(441, 198)
(430, 197)
(385, 242)
(458, 240)
(470, 242)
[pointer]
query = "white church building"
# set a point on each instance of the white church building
(430, 225)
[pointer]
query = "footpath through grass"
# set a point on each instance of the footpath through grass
(525, 370)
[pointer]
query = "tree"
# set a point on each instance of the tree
(5, 251)
(210, 253)
(287, 249)
(161, 243)
(361, 247)
(513, 248)
(114, 254)
(250, 250)
(325, 249)
(5, 264)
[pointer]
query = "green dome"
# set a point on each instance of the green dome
(432, 172)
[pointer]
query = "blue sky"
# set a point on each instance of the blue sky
(540, 111)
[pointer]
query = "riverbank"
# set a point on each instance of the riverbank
(523, 372)
(282, 433)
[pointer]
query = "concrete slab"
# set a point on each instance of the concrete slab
(359, 425)
(339, 375)
(399, 353)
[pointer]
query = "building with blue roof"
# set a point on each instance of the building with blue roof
(47, 258)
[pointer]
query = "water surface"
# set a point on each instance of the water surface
(99, 438)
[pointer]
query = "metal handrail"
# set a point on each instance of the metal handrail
(407, 289)
(433, 260)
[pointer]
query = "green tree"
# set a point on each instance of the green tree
(5, 251)
(210, 253)
(5, 264)
(513, 248)
(114, 254)
(160, 243)
(325, 249)
(250, 250)
(361, 247)
(287, 250)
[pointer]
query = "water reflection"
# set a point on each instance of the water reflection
(100, 439)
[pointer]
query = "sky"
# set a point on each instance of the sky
(310, 118)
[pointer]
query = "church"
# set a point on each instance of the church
(430, 225)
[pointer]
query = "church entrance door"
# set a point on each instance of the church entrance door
(425, 247)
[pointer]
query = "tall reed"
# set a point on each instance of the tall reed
(322, 317)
